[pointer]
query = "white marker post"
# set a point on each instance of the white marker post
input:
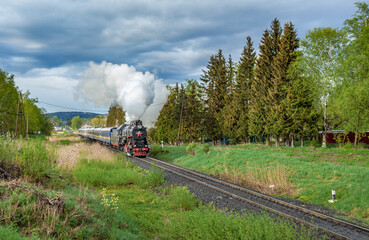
(162, 145)
(333, 197)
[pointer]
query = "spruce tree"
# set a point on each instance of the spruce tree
(278, 119)
(244, 79)
(261, 103)
(215, 86)
(301, 108)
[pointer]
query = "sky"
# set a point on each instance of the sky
(51, 46)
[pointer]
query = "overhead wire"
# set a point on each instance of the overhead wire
(86, 110)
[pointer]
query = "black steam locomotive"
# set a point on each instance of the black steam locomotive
(129, 137)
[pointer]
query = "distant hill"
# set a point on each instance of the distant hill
(64, 116)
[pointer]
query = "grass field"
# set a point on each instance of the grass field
(99, 195)
(307, 174)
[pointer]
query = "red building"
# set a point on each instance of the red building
(334, 135)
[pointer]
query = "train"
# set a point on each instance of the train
(130, 137)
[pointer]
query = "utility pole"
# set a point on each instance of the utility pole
(20, 115)
(27, 127)
(180, 120)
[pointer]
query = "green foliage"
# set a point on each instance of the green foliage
(191, 148)
(348, 146)
(76, 122)
(166, 127)
(9, 233)
(8, 102)
(116, 115)
(205, 148)
(209, 223)
(314, 143)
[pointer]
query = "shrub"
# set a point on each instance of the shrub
(191, 148)
(205, 148)
(348, 145)
(314, 143)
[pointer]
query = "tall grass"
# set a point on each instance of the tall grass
(210, 223)
(83, 216)
(29, 158)
(118, 172)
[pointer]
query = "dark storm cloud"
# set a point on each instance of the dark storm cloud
(173, 39)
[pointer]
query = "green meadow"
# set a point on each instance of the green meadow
(78, 191)
(308, 174)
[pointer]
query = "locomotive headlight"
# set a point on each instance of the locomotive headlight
(135, 145)
(145, 145)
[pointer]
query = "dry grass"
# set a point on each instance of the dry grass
(70, 138)
(270, 181)
(68, 156)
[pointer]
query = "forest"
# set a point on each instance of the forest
(289, 90)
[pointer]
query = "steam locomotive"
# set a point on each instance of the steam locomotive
(128, 137)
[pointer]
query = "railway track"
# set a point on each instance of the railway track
(335, 228)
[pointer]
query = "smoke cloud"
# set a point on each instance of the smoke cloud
(140, 94)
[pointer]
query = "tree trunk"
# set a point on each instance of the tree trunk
(293, 141)
(324, 140)
(302, 141)
(267, 141)
(357, 129)
(277, 141)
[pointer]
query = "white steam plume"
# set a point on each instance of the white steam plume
(141, 95)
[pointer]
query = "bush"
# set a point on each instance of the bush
(191, 148)
(314, 144)
(205, 148)
(348, 145)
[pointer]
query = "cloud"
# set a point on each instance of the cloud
(140, 94)
(173, 39)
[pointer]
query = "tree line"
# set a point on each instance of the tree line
(115, 117)
(291, 89)
(16, 118)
